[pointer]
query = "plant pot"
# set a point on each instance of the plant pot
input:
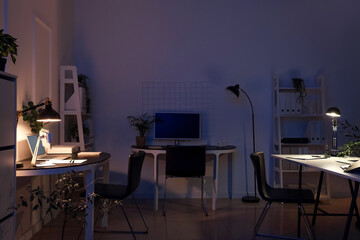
(2, 64)
(140, 141)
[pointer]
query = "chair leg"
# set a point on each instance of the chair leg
(203, 183)
(308, 226)
(127, 219)
(202, 191)
(298, 221)
(142, 216)
(164, 206)
(261, 218)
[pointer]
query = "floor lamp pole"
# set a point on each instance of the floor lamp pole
(251, 199)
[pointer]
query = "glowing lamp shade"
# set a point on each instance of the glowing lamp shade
(333, 112)
(48, 114)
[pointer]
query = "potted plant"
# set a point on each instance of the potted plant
(352, 146)
(74, 132)
(142, 123)
(8, 46)
(84, 91)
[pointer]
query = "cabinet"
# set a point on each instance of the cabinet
(299, 128)
(76, 127)
(7, 154)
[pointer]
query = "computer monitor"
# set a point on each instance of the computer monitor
(177, 126)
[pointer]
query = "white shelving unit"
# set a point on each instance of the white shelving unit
(299, 128)
(73, 111)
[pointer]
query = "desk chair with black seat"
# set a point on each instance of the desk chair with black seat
(187, 162)
(285, 195)
(120, 192)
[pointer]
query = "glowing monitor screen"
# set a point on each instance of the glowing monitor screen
(178, 126)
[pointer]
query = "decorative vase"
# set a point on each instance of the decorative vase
(140, 141)
(2, 64)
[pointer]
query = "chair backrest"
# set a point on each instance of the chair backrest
(134, 171)
(258, 161)
(185, 161)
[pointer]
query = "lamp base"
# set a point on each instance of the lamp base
(250, 199)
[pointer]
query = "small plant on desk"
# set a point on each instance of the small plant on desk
(142, 123)
(352, 147)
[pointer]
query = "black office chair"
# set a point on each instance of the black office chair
(188, 162)
(120, 192)
(285, 195)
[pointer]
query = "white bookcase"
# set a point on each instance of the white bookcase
(299, 128)
(73, 111)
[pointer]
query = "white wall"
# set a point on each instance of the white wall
(44, 30)
(121, 45)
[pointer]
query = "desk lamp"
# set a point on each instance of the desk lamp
(334, 113)
(46, 115)
(236, 90)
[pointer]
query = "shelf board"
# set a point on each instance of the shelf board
(304, 144)
(69, 112)
(286, 89)
(300, 116)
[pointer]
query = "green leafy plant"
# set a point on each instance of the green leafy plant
(299, 86)
(31, 116)
(83, 82)
(75, 133)
(65, 197)
(8, 46)
(142, 123)
(352, 147)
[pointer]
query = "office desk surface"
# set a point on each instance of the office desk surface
(319, 162)
(93, 159)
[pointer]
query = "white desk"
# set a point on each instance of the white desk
(328, 165)
(93, 161)
(210, 150)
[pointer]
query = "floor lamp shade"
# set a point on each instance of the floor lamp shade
(236, 90)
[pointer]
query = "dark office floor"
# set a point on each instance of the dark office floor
(234, 219)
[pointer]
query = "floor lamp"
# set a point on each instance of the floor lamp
(236, 90)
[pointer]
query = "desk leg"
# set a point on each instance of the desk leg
(156, 183)
(299, 210)
(355, 207)
(317, 197)
(89, 183)
(351, 210)
(215, 181)
(230, 175)
(104, 219)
